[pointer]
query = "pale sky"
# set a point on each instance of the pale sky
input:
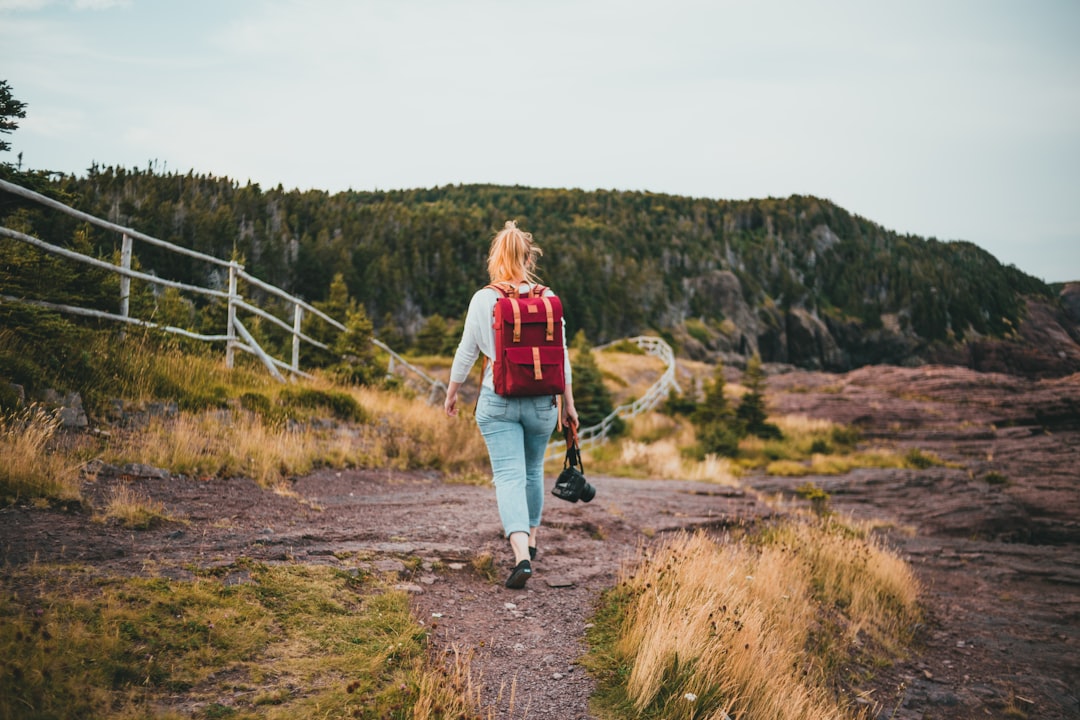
(955, 119)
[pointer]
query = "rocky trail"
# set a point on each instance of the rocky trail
(993, 537)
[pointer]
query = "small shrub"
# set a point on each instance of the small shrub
(844, 436)
(9, 397)
(29, 465)
(819, 499)
(343, 405)
(257, 403)
(625, 346)
(920, 460)
(696, 329)
(484, 565)
(719, 438)
(677, 404)
(215, 397)
(133, 509)
(995, 478)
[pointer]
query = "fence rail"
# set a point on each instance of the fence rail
(657, 392)
(236, 336)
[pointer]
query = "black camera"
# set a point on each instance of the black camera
(571, 484)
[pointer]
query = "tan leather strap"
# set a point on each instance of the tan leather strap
(517, 319)
(505, 289)
(550, 319)
(538, 374)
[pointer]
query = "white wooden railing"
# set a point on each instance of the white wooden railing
(656, 394)
(236, 336)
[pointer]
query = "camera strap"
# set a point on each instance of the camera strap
(573, 451)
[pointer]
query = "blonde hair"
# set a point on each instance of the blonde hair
(513, 256)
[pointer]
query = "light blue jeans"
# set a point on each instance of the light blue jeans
(516, 431)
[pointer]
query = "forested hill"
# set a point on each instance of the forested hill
(797, 279)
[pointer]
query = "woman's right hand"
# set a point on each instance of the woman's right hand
(450, 404)
(569, 412)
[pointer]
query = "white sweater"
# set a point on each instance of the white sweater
(478, 336)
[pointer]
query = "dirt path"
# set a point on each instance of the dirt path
(998, 561)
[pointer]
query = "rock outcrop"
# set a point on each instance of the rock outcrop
(1046, 343)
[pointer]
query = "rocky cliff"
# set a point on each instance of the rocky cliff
(1046, 342)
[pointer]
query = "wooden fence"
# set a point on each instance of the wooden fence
(236, 336)
(656, 394)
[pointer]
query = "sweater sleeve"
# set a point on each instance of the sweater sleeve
(477, 336)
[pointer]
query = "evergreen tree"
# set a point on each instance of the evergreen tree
(10, 108)
(431, 340)
(751, 412)
(337, 305)
(354, 347)
(591, 397)
(715, 425)
(391, 334)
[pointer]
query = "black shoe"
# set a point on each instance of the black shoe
(532, 552)
(522, 572)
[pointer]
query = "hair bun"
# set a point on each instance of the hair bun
(510, 225)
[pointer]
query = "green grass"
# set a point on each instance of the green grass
(286, 641)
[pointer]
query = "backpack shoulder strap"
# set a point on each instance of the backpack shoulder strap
(504, 288)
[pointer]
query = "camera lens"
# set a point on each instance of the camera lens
(588, 492)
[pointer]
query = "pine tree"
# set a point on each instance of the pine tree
(751, 413)
(391, 334)
(714, 422)
(9, 108)
(354, 347)
(591, 397)
(432, 338)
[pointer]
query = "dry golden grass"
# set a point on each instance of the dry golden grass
(630, 375)
(455, 691)
(209, 443)
(653, 448)
(417, 434)
(852, 570)
(406, 433)
(876, 457)
(133, 509)
(802, 426)
(453, 694)
(714, 628)
(29, 466)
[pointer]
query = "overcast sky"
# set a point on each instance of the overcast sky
(957, 119)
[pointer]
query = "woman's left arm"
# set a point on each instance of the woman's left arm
(569, 412)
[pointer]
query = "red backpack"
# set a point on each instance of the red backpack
(529, 349)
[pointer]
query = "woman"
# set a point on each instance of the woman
(515, 429)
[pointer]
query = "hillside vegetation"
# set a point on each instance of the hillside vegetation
(797, 280)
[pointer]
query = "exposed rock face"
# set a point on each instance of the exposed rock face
(1045, 345)
(722, 290)
(1070, 302)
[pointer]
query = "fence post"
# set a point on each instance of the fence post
(298, 317)
(125, 281)
(230, 331)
